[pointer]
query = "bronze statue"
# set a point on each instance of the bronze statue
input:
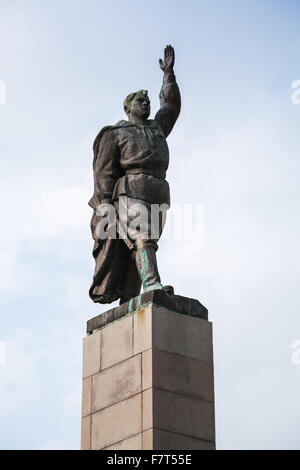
(131, 159)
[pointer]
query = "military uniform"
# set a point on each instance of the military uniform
(131, 160)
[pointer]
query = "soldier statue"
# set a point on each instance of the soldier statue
(130, 163)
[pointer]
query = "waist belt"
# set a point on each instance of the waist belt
(151, 172)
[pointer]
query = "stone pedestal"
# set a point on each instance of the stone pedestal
(148, 376)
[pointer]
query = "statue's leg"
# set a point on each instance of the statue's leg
(145, 247)
(147, 264)
(132, 282)
(144, 251)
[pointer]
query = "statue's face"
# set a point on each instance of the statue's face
(140, 106)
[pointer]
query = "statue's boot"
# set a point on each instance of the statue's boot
(146, 263)
(147, 268)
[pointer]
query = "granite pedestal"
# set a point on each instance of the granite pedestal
(148, 376)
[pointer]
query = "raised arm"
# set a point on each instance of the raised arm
(170, 102)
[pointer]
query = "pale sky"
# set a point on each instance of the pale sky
(67, 66)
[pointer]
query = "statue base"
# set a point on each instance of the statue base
(148, 376)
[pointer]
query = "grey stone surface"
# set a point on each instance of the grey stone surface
(142, 329)
(91, 354)
(147, 410)
(183, 415)
(116, 423)
(182, 334)
(148, 439)
(116, 383)
(112, 353)
(157, 439)
(132, 443)
(147, 369)
(86, 403)
(155, 388)
(86, 433)
(182, 375)
(163, 440)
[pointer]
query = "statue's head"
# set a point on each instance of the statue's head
(137, 105)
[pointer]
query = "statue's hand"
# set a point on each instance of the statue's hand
(169, 58)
